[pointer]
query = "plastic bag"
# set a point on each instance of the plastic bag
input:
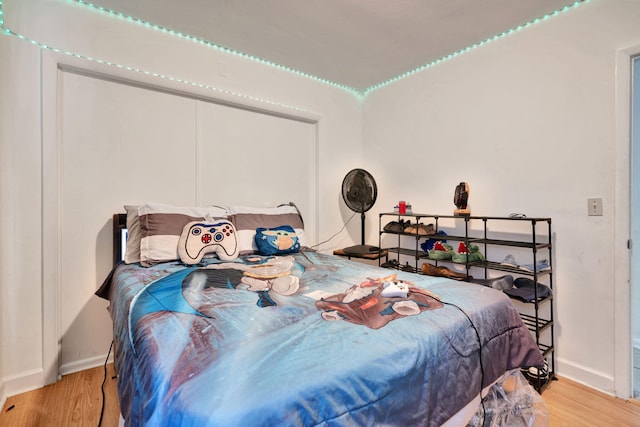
(511, 402)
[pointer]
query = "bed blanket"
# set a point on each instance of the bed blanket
(244, 344)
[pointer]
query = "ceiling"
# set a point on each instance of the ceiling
(355, 44)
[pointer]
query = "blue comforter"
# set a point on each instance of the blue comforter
(227, 345)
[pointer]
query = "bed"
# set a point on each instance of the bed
(303, 338)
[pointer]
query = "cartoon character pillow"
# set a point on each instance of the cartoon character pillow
(277, 241)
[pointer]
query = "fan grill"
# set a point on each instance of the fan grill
(359, 192)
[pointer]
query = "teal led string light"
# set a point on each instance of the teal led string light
(152, 74)
(41, 45)
(359, 93)
(215, 46)
(2, 19)
(474, 46)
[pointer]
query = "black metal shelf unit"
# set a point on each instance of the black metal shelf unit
(537, 315)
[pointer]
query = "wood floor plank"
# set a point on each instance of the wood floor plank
(572, 404)
(76, 400)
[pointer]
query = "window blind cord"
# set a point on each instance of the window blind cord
(104, 380)
(479, 355)
(340, 231)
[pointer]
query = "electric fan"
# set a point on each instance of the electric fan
(359, 192)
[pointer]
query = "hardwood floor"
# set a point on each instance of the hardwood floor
(76, 400)
(572, 404)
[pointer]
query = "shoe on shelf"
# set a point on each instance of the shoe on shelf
(392, 263)
(419, 229)
(410, 228)
(428, 244)
(501, 283)
(440, 251)
(525, 289)
(394, 227)
(408, 268)
(539, 267)
(464, 255)
(535, 372)
(442, 271)
(509, 261)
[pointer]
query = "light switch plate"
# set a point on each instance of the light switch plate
(594, 206)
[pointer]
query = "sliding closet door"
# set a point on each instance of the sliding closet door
(118, 144)
(124, 143)
(256, 159)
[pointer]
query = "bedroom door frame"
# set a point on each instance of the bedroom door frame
(52, 66)
(635, 221)
(622, 281)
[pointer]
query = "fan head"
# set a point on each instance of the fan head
(359, 190)
(461, 195)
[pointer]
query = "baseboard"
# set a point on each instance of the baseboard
(34, 379)
(585, 376)
(16, 384)
(81, 365)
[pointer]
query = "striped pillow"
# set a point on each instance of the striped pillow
(247, 219)
(161, 227)
(132, 253)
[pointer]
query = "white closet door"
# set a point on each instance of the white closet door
(118, 144)
(255, 159)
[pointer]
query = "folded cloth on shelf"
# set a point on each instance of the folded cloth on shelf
(525, 290)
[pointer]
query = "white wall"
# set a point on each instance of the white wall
(66, 26)
(530, 122)
(20, 172)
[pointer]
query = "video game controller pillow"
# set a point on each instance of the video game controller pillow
(199, 238)
(277, 241)
(161, 226)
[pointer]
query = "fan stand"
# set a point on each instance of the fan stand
(361, 249)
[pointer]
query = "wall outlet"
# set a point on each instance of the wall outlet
(594, 206)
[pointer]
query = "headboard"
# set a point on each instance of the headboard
(120, 233)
